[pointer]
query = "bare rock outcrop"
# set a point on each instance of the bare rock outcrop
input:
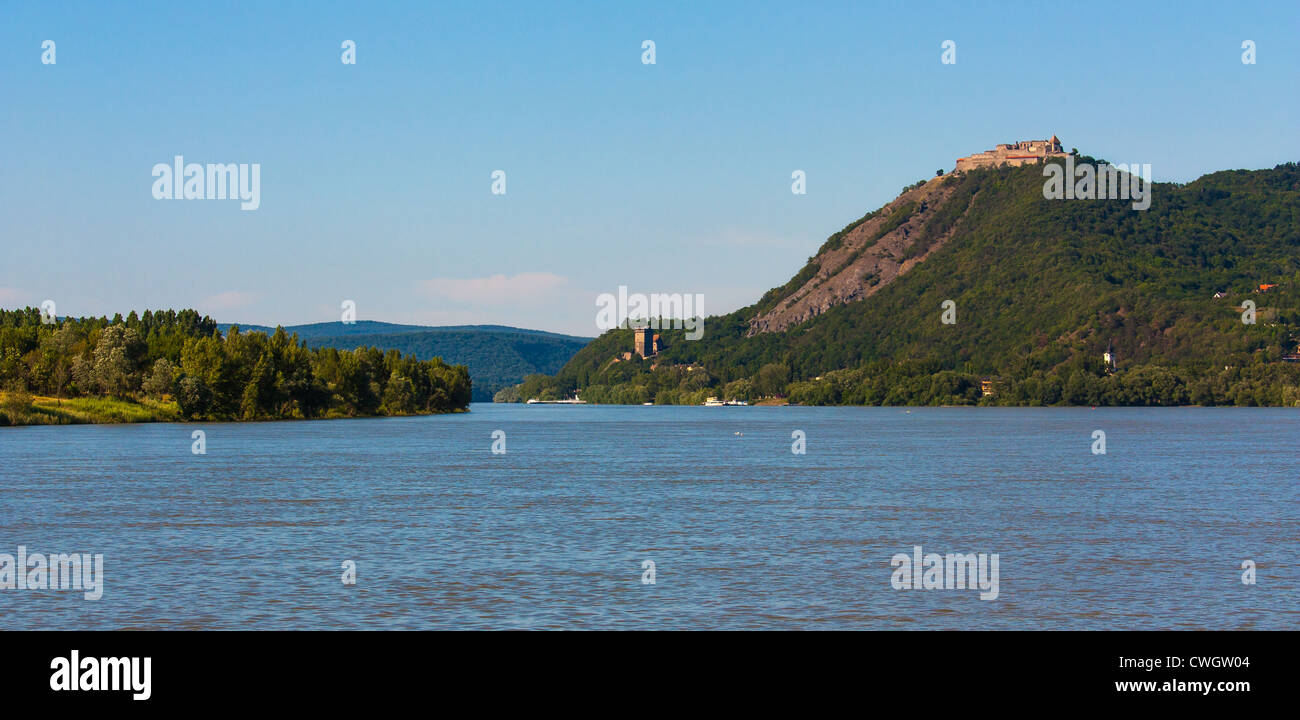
(867, 258)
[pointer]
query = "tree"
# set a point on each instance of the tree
(399, 396)
(260, 394)
(193, 397)
(162, 380)
(114, 369)
(83, 374)
(359, 393)
(772, 379)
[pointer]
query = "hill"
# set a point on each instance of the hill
(497, 356)
(1041, 289)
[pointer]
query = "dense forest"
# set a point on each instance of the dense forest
(1042, 289)
(497, 356)
(178, 365)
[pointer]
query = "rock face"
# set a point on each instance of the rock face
(871, 255)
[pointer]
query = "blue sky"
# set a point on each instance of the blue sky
(672, 177)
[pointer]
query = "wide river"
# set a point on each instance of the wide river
(742, 532)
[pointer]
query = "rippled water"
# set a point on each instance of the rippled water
(743, 533)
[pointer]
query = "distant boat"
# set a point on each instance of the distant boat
(713, 402)
(735, 402)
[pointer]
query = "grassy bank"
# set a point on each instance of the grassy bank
(24, 409)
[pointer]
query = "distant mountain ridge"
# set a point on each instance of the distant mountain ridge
(375, 327)
(498, 356)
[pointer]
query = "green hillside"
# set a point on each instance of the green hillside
(1042, 288)
(497, 356)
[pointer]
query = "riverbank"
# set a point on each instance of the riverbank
(24, 409)
(18, 409)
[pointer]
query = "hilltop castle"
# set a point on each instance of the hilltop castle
(1025, 152)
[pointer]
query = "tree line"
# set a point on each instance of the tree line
(1079, 381)
(183, 357)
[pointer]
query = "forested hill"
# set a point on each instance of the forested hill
(1041, 289)
(497, 356)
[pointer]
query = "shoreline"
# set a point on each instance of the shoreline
(49, 411)
(41, 410)
(975, 406)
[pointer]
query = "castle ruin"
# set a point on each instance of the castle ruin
(646, 342)
(1024, 152)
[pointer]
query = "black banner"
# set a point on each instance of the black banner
(142, 671)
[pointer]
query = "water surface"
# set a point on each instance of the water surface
(743, 532)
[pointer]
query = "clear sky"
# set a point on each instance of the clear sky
(671, 177)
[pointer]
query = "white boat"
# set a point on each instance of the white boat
(713, 402)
